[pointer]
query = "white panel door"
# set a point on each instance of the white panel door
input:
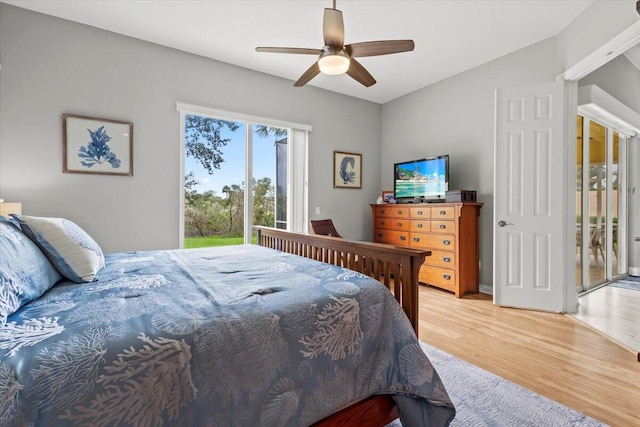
(528, 191)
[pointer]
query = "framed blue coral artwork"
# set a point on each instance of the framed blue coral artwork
(347, 170)
(97, 146)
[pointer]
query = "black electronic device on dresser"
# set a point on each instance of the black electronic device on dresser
(461, 196)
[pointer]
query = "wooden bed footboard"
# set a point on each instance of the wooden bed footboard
(394, 266)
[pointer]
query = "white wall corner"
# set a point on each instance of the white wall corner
(486, 289)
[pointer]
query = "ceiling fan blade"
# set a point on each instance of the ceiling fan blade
(298, 50)
(380, 47)
(359, 73)
(333, 28)
(313, 71)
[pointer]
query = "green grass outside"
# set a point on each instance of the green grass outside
(205, 242)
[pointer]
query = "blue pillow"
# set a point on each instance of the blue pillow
(25, 273)
(70, 249)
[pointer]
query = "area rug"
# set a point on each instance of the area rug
(485, 399)
(631, 282)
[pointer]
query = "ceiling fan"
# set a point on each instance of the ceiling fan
(336, 57)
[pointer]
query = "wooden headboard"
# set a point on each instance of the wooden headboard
(7, 208)
(394, 266)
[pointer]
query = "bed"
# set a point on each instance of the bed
(255, 335)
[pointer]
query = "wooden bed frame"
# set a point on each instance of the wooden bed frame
(394, 266)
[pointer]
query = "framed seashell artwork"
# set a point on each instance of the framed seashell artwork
(347, 170)
(96, 146)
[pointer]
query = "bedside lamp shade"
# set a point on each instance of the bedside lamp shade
(7, 208)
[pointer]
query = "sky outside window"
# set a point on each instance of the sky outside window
(232, 169)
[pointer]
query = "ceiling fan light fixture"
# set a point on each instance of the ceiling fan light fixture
(334, 63)
(335, 57)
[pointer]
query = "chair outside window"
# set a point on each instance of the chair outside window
(596, 243)
(324, 227)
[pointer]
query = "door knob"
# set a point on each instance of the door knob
(504, 223)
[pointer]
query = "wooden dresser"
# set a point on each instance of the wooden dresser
(448, 230)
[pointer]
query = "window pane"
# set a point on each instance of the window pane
(281, 183)
(270, 176)
(615, 166)
(597, 201)
(579, 149)
(214, 182)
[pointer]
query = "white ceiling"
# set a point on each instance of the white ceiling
(451, 36)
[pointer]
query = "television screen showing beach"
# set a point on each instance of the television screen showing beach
(420, 179)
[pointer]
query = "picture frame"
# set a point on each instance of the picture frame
(92, 145)
(387, 196)
(347, 170)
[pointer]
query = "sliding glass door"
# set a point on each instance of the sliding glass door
(235, 178)
(600, 204)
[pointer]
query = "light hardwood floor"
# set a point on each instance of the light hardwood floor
(614, 312)
(548, 353)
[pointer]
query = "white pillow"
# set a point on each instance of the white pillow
(70, 249)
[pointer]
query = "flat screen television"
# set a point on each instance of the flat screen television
(422, 180)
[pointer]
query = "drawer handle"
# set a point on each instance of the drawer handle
(379, 234)
(446, 259)
(442, 226)
(416, 239)
(443, 212)
(419, 212)
(447, 276)
(399, 224)
(382, 211)
(446, 242)
(419, 225)
(399, 212)
(403, 237)
(382, 223)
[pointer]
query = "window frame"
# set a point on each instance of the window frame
(297, 174)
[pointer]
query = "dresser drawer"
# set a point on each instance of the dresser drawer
(441, 259)
(421, 213)
(393, 224)
(392, 237)
(443, 212)
(443, 226)
(391, 211)
(420, 240)
(420, 226)
(439, 277)
(445, 242)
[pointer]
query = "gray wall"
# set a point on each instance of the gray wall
(455, 117)
(620, 79)
(52, 66)
(596, 26)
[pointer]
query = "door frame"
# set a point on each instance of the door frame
(605, 53)
(609, 50)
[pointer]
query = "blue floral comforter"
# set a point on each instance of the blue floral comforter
(234, 336)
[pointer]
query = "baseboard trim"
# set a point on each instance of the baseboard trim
(634, 271)
(486, 289)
